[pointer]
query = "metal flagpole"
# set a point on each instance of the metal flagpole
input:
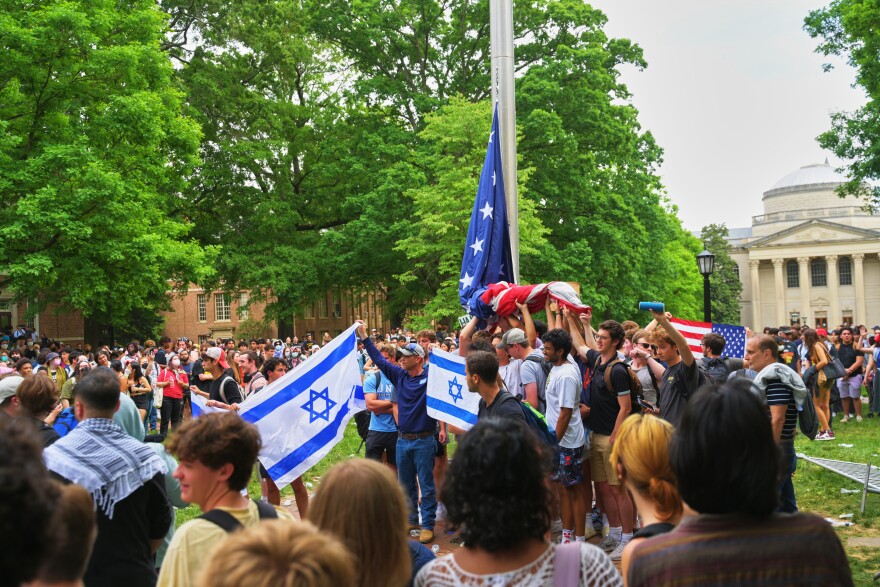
(501, 39)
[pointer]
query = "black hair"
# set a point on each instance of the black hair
(495, 491)
(615, 331)
(723, 452)
(483, 364)
(99, 389)
(270, 364)
(849, 328)
(540, 328)
(136, 369)
(714, 341)
(481, 345)
(27, 502)
(561, 340)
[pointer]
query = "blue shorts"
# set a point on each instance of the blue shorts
(569, 471)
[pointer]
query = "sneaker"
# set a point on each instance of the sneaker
(844, 420)
(830, 434)
(607, 544)
(426, 536)
(590, 533)
(824, 435)
(413, 529)
(617, 553)
(556, 526)
(858, 418)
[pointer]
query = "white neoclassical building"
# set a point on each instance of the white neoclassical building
(811, 258)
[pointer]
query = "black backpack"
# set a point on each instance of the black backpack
(545, 366)
(716, 369)
(636, 394)
(362, 418)
(228, 522)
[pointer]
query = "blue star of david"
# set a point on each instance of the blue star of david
(309, 406)
(455, 395)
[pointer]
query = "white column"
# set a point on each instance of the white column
(833, 290)
(756, 295)
(806, 311)
(859, 286)
(779, 283)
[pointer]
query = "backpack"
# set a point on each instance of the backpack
(65, 422)
(536, 421)
(636, 395)
(545, 366)
(808, 419)
(223, 382)
(716, 369)
(228, 522)
(362, 418)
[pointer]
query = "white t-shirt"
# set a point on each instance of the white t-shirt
(563, 391)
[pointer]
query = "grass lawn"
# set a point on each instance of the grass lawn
(818, 490)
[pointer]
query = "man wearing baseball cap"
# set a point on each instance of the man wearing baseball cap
(532, 375)
(224, 391)
(415, 437)
(8, 402)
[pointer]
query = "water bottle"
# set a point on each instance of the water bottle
(652, 306)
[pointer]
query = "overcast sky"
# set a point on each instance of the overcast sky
(735, 95)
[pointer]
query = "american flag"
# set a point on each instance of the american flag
(693, 332)
(487, 257)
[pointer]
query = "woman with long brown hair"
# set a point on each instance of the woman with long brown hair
(817, 353)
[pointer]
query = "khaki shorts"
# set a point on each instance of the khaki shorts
(600, 460)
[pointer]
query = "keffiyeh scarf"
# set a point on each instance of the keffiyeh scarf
(101, 457)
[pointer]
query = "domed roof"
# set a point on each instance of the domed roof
(816, 174)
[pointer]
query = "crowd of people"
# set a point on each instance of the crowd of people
(601, 456)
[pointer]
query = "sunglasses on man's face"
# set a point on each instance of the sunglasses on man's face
(645, 345)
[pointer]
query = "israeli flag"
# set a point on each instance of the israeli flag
(303, 415)
(199, 406)
(448, 397)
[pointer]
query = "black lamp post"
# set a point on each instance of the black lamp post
(706, 263)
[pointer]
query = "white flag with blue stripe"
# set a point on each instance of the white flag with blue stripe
(448, 397)
(303, 415)
(200, 406)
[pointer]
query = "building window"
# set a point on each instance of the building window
(322, 306)
(242, 303)
(5, 305)
(847, 318)
(221, 307)
(202, 303)
(736, 270)
(33, 322)
(818, 273)
(203, 338)
(844, 270)
(309, 312)
(337, 304)
(793, 274)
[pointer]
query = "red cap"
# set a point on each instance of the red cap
(821, 332)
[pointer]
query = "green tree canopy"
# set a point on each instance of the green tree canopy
(848, 28)
(94, 156)
(726, 286)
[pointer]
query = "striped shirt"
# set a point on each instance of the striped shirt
(780, 394)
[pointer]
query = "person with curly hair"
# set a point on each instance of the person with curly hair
(497, 497)
(641, 458)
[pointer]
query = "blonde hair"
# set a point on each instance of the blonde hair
(642, 449)
(660, 336)
(361, 502)
(279, 553)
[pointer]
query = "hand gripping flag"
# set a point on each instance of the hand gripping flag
(303, 415)
(448, 397)
(200, 406)
(487, 258)
(734, 336)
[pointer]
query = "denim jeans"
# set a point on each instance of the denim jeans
(415, 470)
(150, 415)
(787, 501)
(874, 406)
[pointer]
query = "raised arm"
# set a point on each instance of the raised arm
(464, 337)
(580, 345)
(528, 324)
(391, 371)
(683, 349)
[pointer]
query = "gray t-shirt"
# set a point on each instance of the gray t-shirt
(531, 371)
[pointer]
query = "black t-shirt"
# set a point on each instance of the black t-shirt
(230, 389)
(848, 355)
(678, 383)
(604, 406)
(197, 370)
(504, 406)
(122, 554)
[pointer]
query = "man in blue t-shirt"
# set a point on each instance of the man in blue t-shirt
(382, 435)
(415, 438)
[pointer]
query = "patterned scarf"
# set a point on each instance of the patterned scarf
(101, 457)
